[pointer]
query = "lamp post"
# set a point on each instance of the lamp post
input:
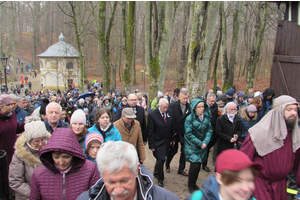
(1, 80)
(4, 63)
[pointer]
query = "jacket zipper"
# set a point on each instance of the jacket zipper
(64, 192)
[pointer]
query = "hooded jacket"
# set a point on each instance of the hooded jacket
(197, 133)
(146, 190)
(247, 122)
(210, 190)
(267, 103)
(109, 107)
(112, 133)
(48, 182)
(20, 114)
(21, 168)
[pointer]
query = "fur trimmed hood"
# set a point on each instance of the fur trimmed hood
(244, 115)
(23, 152)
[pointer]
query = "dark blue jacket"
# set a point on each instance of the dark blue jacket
(146, 190)
(61, 124)
(247, 122)
(20, 114)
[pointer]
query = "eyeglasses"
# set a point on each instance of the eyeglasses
(37, 142)
(132, 99)
(200, 107)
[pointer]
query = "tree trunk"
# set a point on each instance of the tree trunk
(129, 47)
(78, 41)
(133, 55)
(254, 56)
(166, 38)
(219, 36)
(204, 21)
(184, 53)
(12, 35)
(101, 43)
(225, 69)
(20, 21)
(151, 61)
(235, 39)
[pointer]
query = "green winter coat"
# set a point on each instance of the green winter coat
(197, 133)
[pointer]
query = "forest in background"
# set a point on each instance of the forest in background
(192, 41)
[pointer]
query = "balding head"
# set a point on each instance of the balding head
(132, 100)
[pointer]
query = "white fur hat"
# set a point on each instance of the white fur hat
(34, 128)
(78, 116)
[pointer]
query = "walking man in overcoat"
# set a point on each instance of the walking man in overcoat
(160, 134)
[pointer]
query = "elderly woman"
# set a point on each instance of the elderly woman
(65, 172)
(197, 135)
(26, 159)
(104, 126)
(77, 124)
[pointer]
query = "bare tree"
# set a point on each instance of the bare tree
(184, 44)
(75, 11)
(157, 57)
(254, 56)
(204, 21)
(129, 47)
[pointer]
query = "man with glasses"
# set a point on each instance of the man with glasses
(228, 128)
(138, 111)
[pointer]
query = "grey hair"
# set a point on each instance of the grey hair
(226, 106)
(53, 103)
(113, 156)
(184, 91)
(163, 100)
(211, 91)
(22, 98)
(14, 97)
(211, 95)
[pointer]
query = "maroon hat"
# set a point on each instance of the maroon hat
(5, 99)
(234, 160)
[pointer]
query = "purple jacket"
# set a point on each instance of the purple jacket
(9, 128)
(49, 183)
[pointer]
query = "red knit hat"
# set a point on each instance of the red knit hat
(93, 136)
(234, 160)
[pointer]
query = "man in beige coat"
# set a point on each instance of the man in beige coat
(130, 131)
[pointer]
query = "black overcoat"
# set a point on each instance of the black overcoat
(225, 130)
(179, 119)
(160, 134)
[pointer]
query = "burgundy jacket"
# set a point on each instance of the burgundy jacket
(49, 183)
(9, 128)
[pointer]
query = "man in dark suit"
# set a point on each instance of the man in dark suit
(138, 111)
(211, 102)
(160, 134)
(181, 109)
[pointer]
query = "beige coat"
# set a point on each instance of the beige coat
(134, 137)
(21, 168)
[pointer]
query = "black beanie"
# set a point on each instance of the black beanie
(43, 106)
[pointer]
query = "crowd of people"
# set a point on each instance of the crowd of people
(68, 146)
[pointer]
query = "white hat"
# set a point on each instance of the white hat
(81, 101)
(34, 128)
(78, 116)
(160, 94)
(257, 93)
